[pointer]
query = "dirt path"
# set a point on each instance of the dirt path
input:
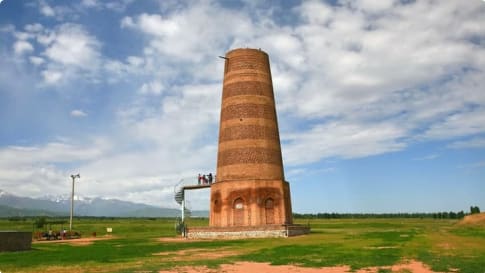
(80, 241)
(242, 267)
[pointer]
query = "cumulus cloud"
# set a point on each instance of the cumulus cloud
(53, 152)
(21, 47)
(7, 28)
(67, 51)
(456, 125)
(73, 46)
(46, 10)
(36, 60)
(52, 76)
(342, 140)
(90, 3)
(39, 165)
(178, 35)
(154, 88)
(78, 113)
(370, 6)
(477, 142)
(119, 5)
(33, 28)
(155, 25)
(367, 59)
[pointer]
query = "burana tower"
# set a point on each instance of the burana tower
(250, 197)
(251, 189)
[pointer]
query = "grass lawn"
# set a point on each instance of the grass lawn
(359, 243)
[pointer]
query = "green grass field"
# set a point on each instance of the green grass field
(135, 246)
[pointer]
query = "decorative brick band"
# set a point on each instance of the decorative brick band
(247, 110)
(250, 143)
(247, 99)
(245, 76)
(250, 171)
(248, 132)
(248, 121)
(253, 61)
(240, 63)
(256, 88)
(249, 156)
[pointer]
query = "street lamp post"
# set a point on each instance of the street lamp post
(73, 176)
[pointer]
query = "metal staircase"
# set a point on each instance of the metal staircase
(179, 196)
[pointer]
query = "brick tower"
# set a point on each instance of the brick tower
(251, 189)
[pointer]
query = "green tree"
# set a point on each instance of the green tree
(460, 214)
(40, 222)
(474, 210)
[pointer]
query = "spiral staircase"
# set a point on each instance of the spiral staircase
(179, 196)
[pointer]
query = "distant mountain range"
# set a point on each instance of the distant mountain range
(13, 205)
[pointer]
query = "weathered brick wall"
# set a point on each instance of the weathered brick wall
(248, 134)
(267, 231)
(254, 195)
(15, 240)
(236, 234)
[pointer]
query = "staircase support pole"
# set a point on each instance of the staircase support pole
(183, 206)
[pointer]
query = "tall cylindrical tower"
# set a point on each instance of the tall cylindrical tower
(251, 189)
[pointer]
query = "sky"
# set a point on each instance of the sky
(381, 103)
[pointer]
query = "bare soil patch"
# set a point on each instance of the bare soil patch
(79, 242)
(197, 254)
(177, 239)
(241, 267)
(182, 239)
(474, 219)
(380, 247)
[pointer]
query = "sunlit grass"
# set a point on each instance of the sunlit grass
(135, 245)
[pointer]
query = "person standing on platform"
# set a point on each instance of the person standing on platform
(210, 178)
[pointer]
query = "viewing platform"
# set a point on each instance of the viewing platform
(196, 186)
(184, 185)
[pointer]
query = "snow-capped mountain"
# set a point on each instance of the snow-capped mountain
(85, 206)
(67, 198)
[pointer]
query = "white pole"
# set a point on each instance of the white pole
(183, 213)
(183, 208)
(72, 200)
(72, 204)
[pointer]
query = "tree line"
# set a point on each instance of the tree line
(474, 210)
(431, 215)
(333, 215)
